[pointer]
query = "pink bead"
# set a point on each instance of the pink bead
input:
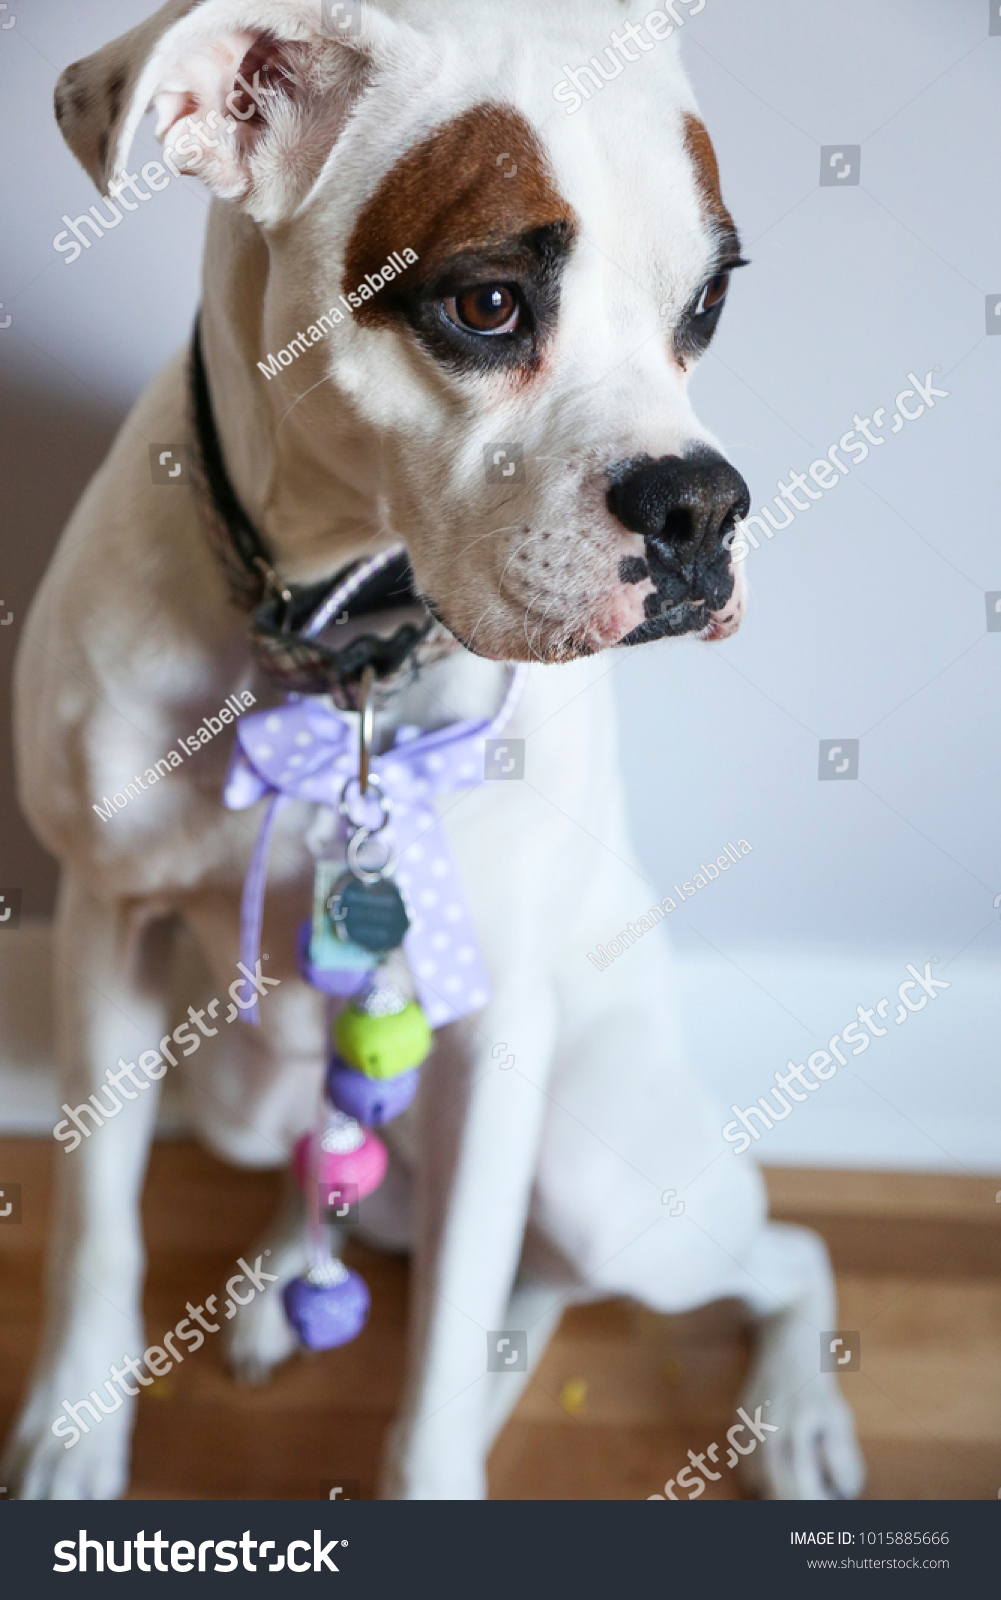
(364, 1167)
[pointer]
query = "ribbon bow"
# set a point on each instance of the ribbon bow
(305, 751)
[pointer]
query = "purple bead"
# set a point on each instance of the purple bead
(372, 1101)
(327, 1317)
(344, 982)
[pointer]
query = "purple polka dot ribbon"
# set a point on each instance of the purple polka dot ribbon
(303, 750)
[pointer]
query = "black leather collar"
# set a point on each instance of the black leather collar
(297, 662)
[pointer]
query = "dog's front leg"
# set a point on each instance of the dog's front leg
(94, 1320)
(809, 1450)
(480, 1125)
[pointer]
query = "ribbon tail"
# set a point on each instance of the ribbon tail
(243, 786)
(440, 1009)
(441, 947)
(252, 903)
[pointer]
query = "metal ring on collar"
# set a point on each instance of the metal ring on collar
(368, 874)
(385, 804)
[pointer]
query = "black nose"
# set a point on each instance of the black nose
(684, 507)
(678, 504)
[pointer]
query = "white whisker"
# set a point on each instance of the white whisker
(486, 610)
(488, 535)
(538, 629)
(302, 396)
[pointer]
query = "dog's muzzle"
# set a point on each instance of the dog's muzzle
(683, 507)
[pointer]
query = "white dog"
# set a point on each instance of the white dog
(559, 256)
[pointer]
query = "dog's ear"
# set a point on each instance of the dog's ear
(250, 94)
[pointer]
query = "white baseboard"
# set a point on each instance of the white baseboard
(926, 1096)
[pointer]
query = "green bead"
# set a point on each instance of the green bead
(383, 1047)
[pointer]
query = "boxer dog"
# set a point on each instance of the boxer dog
(509, 399)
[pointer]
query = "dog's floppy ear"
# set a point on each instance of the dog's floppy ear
(249, 94)
(93, 96)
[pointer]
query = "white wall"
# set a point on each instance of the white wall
(867, 617)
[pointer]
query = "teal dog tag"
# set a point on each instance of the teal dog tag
(328, 951)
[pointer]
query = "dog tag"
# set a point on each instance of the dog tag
(329, 953)
(371, 915)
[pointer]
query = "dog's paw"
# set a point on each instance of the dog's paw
(256, 1346)
(260, 1337)
(38, 1465)
(814, 1453)
(805, 1446)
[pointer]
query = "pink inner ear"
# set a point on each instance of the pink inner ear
(254, 115)
(269, 58)
(171, 106)
(200, 83)
(264, 74)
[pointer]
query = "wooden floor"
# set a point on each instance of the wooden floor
(621, 1394)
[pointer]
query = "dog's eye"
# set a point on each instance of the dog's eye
(490, 308)
(713, 294)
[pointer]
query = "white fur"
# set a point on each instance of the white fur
(519, 1189)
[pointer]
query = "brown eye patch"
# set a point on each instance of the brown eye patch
(471, 186)
(699, 148)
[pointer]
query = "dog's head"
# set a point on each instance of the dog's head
(516, 211)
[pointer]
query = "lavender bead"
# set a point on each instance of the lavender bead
(325, 1317)
(342, 982)
(372, 1101)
